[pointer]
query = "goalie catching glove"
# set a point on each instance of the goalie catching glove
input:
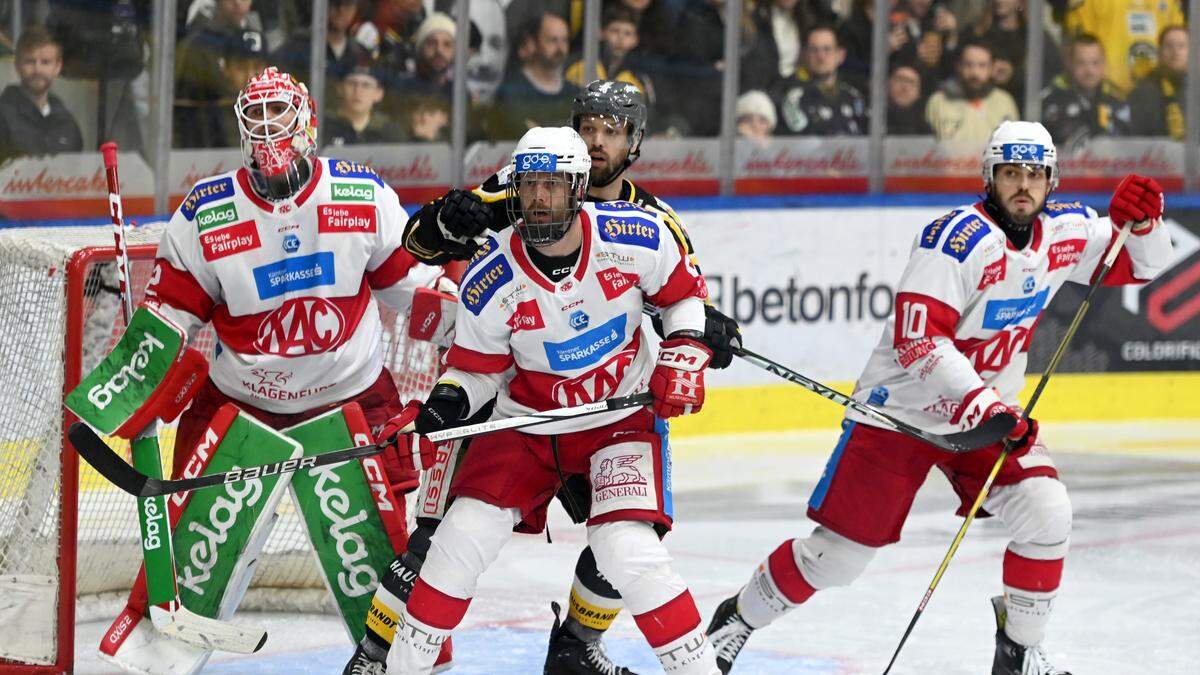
(678, 380)
(404, 434)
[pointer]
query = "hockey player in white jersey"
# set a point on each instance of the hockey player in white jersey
(954, 356)
(551, 316)
(285, 257)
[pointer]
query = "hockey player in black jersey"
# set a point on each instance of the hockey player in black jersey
(611, 118)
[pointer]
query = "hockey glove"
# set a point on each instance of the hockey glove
(981, 405)
(404, 433)
(722, 335)
(678, 380)
(1136, 199)
(463, 215)
(431, 317)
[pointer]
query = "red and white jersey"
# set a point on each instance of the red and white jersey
(540, 344)
(289, 286)
(968, 302)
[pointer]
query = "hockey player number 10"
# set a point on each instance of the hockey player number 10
(913, 326)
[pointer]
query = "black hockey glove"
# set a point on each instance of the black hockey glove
(722, 335)
(444, 409)
(463, 216)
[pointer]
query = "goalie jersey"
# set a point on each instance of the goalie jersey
(968, 303)
(289, 286)
(540, 344)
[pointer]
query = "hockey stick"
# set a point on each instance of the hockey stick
(981, 436)
(110, 465)
(167, 613)
(1109, 259)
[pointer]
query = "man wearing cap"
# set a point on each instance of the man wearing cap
(357, 122)
(426, 91)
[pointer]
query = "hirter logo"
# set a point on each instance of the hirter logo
(342, 218)
(526, 317)
(614, 282)
(1065, 253)
(301, 327)
(596, 384)
(229, 241)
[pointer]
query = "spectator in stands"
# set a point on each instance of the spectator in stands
(1157, 101)
(1080, 103)
(1129, 31)
(969, 106)
(428, 121)
(699, 60)
(780, 25)
(618, 42)
(430, 78)
(537, 93)
(815, 102)
(486, 65)
(357, 122)
(211, 64)
(926, 33)
(33, 121)
(342, 51)
(656, 20)
(906, 105)
(1002, 26)
(755, 116)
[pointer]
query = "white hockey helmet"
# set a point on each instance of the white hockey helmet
(548, 155)
(1020, 143)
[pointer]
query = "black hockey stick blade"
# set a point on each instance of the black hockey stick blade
(992, 431)
(109, 464)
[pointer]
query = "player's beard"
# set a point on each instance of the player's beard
(606, 174)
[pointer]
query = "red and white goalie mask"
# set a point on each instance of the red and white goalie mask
(277, 122)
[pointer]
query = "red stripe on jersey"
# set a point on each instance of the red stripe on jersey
(392, 270)
(435, 608)
(920, 316)
(477, 362)
(1121, 273)
(684, 282)
(179, 289)
(786, 574)
(1028, 574)
(670, 621)
(297, 327)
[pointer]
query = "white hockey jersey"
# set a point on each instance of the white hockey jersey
(968, 303)
(289, 286)
(540, 344)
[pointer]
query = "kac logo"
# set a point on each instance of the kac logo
(579, 319)
(1028, 285)
(291, 243)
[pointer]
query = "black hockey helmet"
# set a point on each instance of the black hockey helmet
(620, 100)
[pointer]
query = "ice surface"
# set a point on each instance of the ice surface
(1130, 600)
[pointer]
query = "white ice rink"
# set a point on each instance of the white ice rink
(1129, 603)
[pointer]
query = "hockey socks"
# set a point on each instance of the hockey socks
(673, 631)
(1030, 587)
(775, 588)
(594, 602)
(423, 627)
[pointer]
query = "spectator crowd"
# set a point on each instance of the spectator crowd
(955, 68)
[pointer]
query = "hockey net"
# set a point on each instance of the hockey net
(68, 539)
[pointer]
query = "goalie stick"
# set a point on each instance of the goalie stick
(170, 617)
(110, 465)
(1107, 264)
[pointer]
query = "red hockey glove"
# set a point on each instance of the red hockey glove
(1136, 199)
(413, 451)
(431, 318)
(981, 405)
(678, 380)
